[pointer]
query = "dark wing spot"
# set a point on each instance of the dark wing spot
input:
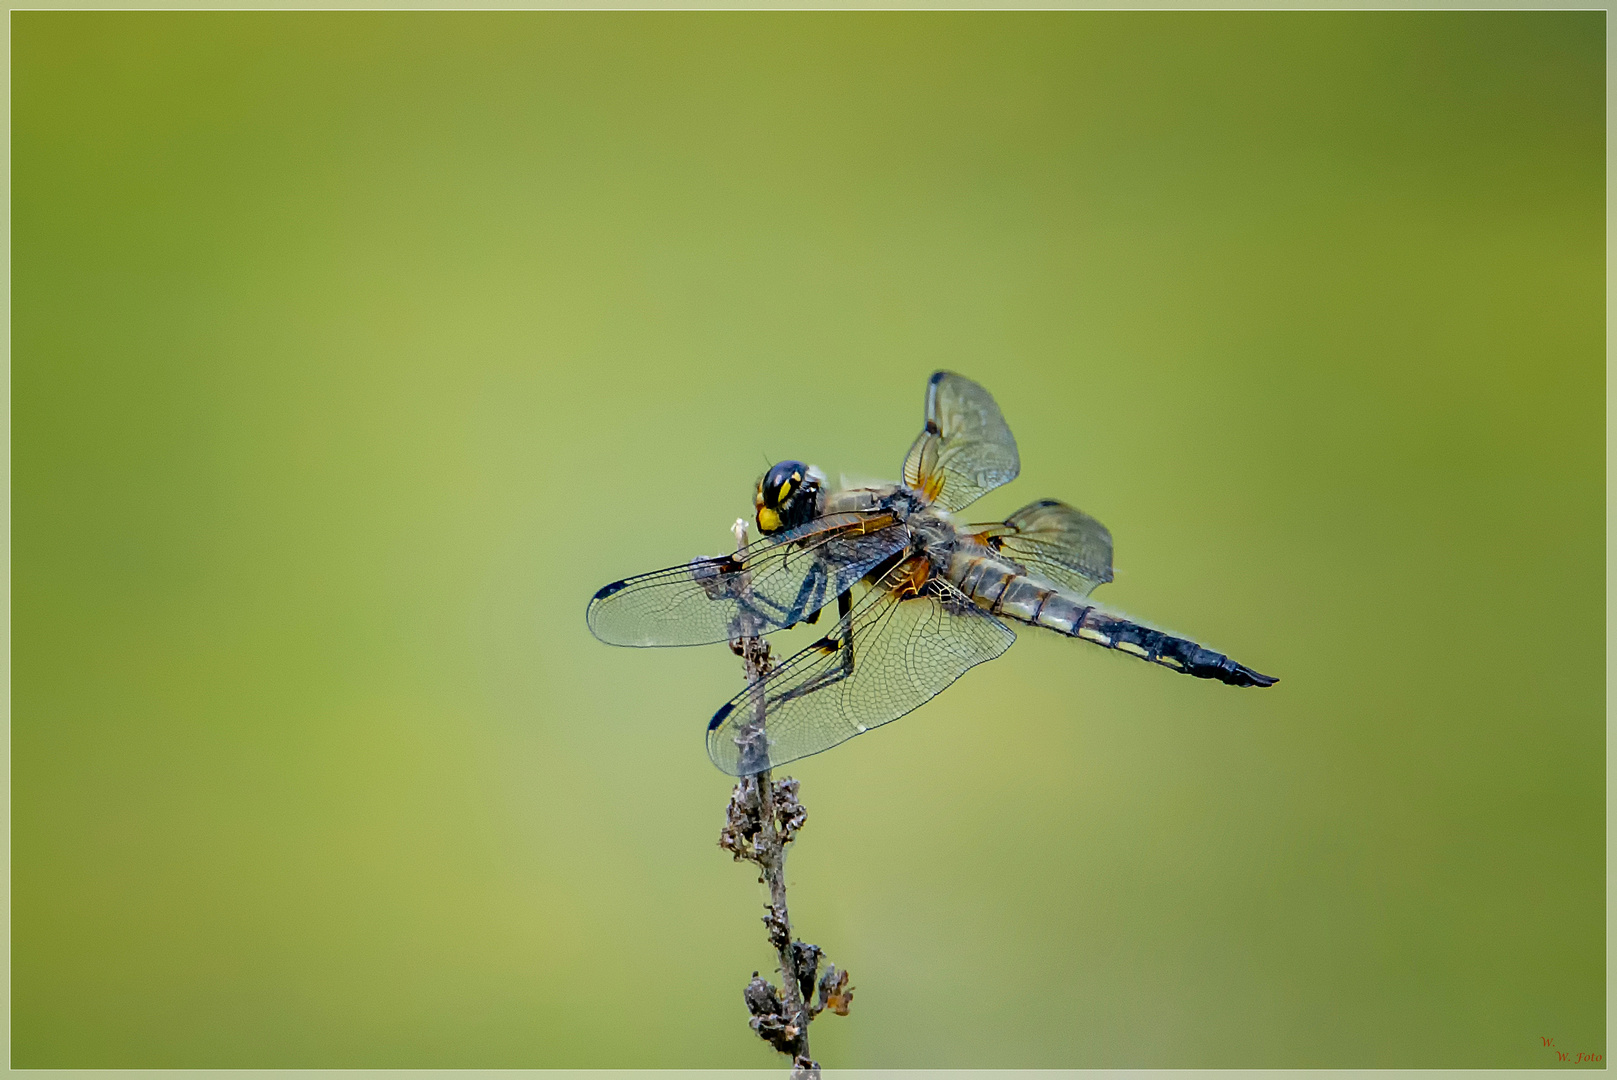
(718, 717)
(932, 427)
(607, 590)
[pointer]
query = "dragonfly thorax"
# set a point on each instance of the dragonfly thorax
(932, 534)
(931, 530)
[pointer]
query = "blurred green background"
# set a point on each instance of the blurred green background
(352, 352)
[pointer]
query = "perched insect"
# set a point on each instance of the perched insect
(920, 600)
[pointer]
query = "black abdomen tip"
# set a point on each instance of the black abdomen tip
(1245, 676)
(1204, 663)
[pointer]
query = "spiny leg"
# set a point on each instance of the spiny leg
(818, 579)
(811, 594)
(842, 645)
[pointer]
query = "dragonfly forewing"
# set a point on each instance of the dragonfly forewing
(775, 583)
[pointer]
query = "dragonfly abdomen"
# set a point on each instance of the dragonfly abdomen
(997, 588)
(1001, 589)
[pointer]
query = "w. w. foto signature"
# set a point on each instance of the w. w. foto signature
(1566, 1055)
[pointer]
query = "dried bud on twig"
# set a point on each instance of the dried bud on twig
(761, 997)
(741, 825)
(835, 993)
(778, 929)
(775, 1031)
(768, 1015)
(790, 815)
(807, 959)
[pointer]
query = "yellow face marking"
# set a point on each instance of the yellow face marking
(1094, 635)
(768, 520)
(1130, 647)
(784, 492)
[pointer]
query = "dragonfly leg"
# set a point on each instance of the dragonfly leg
(842, 644)
(810, 598)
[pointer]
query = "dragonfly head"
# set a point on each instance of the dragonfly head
(787, 496)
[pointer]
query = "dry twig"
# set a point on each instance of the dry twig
(764, 816)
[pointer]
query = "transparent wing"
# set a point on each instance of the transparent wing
(1054, 541)
(966, 448)
(887, 656)
(775, 583)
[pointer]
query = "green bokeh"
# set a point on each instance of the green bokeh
(352, 352)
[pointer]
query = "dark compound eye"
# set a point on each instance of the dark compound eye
(781, 481)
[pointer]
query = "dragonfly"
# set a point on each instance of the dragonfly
(919, 598)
